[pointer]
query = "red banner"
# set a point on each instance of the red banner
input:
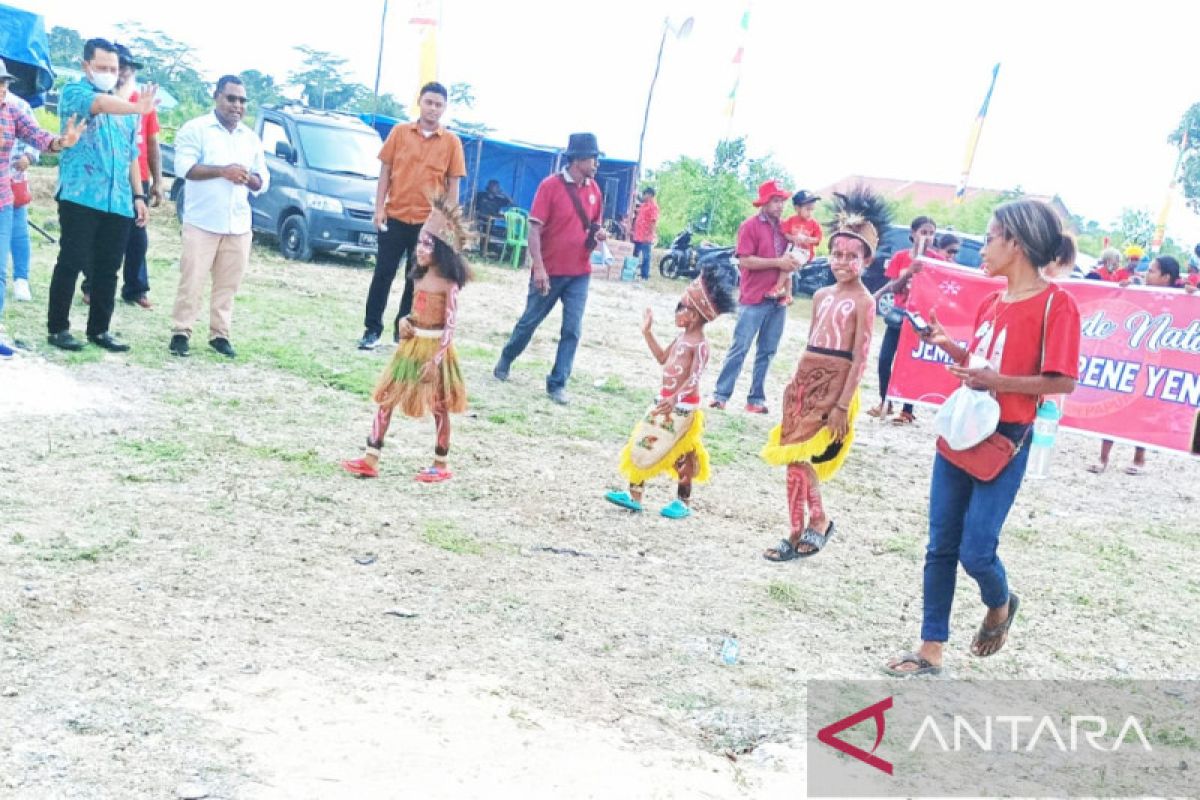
(1139, 362)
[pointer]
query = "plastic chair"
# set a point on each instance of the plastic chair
(516, 235)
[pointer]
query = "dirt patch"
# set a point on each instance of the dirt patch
(195, 595)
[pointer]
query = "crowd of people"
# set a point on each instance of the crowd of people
(1025, 344)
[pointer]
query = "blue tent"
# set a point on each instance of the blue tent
(26, 53)
(521, 166)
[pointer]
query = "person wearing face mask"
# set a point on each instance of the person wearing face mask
(136, 284)
(99, 196)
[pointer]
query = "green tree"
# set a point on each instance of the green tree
(1187, 138)
(321, 83)
(167, 62)
(1135, 226)
(66, 46)
(387, 106)
(712, 200)
(462, 95)
(261, 89)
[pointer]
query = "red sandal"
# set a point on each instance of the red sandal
(360, 468)
(433, 475)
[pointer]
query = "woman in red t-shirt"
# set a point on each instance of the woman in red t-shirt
(1028, 334)
(899, 272)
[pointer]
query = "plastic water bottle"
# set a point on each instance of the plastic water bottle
(1045, 430)
(729, 651)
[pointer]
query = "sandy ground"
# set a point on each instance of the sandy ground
(196, 602)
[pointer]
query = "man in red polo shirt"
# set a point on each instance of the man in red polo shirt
(645, 229)
(762, 255)
(564, 227)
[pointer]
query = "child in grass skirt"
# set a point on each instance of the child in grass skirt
(423, 376)
(668, 438)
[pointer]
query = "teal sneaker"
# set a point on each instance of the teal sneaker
(623, 500)
(676, 509)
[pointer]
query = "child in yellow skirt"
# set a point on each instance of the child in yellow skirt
(423, 376)
(668, 438)
(821, 401)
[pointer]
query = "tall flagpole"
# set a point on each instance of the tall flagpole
(379, 63)
(973, 141)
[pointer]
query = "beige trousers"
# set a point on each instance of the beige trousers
(224, 257)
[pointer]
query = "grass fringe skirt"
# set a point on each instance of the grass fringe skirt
(690, 442)
(400, 386)
(821, 451)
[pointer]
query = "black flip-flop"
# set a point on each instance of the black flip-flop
(986, 634)
(815, 540)
(784, 551)
(924, 667)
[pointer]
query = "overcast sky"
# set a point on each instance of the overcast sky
(1084, 103)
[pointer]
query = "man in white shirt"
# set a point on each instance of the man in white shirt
(223, 163)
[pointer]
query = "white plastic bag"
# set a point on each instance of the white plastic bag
(968, 416)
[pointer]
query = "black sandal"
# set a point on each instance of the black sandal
(785, 551)
(815, 540)
(987, 634)
(924, 667)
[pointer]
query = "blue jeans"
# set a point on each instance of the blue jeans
(21, 249)
(764, 322)
(641, 250)
(6, 235)
(965, 518)
(573, 292)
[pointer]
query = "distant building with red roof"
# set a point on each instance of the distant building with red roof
(924, 192)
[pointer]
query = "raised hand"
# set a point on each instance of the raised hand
(147, 98)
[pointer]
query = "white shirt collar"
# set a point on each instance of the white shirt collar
(567, 177)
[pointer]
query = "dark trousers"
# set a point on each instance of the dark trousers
(641, 251)
(397, 242)
(887, 355)
(137, 276)
(90, 242)
(572, 291)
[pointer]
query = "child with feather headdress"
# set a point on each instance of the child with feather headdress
(822, 399)
(423, 376)
(667, 439)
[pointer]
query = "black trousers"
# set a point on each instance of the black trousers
(93, 243)
(887, 355)
(397, 242)
(136, 271)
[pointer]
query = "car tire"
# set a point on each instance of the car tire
(293, 239)
(668, 267)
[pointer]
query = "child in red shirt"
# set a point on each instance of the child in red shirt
(804, 233)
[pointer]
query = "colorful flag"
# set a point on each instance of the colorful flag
(425, 18)
(731, 103)
(973, 141)
(1160, 230)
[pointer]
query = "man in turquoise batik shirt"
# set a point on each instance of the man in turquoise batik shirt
(99, 196)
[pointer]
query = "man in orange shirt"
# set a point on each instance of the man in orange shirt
(418, 159)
